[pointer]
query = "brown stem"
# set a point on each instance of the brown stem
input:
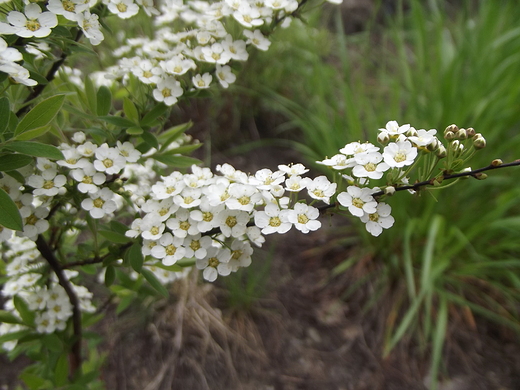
(94, 260)
(50, 76)
(75, 354)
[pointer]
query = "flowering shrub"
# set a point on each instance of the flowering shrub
(113, 199)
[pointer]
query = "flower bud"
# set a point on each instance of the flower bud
(383, 138)
(496, 162)
(480, 176)
(451, 128)
(389, 190)
(449, 135)
(479, 142)
(460, 149)
(441, 151)
(411, 132)
(471, 132)
(433, 146)
(461, 134)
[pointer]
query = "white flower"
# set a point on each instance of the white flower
(178, 65)
(9, 54)
(202, 81)
(243, 197)
(321, 188)
(273, 220)
(297, 183)
(123, 8)
(293, 169)
(247, 16)
(338, 162)
(236, 49)
(152, 227)
(216, 54)
(34, 23)
(68, 8)
(188, 198)
(356, 148)
(89, 23)
(257, 39)
(255, 236)
(163, 209)
(393, 129)
(233, 223)
(399, 154)
(206, 215)
(197, 246)
(88, 178)
(169, 187)
(241, 252)
(100, 203)
(224, 75)
(167, 91)
(169, 249)
(48, 184)
(128, 151)
(183, 225)
(379, 220)
(304, 217)
(109, 160)
(36, 223)
(358, 200)
(215, 263)
(369, 165)
(18, 73)
(424, 138)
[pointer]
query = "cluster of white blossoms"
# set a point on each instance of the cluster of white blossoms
(215, 219)
(45, 298)
(402, 146)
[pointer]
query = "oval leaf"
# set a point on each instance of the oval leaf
(41, 115)
(4, 113)
(10, 162)
(104, 100)
(150, 277)
(35, 149)
(135, 257)
(9, 214)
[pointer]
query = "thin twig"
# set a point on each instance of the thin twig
(46, 252)
(96, 259)
(50, 76)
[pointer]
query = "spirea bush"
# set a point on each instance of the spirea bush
(109, 188)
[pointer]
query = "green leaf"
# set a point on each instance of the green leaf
(61, 372)
(104, 100)
(9, 318)
(150, 277)
(150, 139)
(134, 256)
(173, 267)
(134, 131)
(32, 134)
(91, 94)
(173, 133)
(33, 381)
(176, 161)
(10, 162)
(114, 236)
(130, 110)
(118, 227)
(110, 275)
(14, 335)
(185, 149)
(117, 121)
(4, 113)
(24, 311)
(35, 149)
(9, 214)
(153, 114)
(124, 303)
(52, 342)
(41, 115)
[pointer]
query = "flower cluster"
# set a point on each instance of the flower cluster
(215, 218)
(43, 296)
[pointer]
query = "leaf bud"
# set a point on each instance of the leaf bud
(449, 135)
(496, 162)
(390, 190)
(479, 142)
(441, 151)
(480, 176)
(451, 128)
(461, 134)
(471, 132)
(383, 138)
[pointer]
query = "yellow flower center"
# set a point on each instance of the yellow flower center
(33, 25)
(87, 180)
(166, 92)
(108, 163)
(275, 221)
(244, 200)
(195, 245)
(400, 157)
(170, 250)
(207, 216)
(231, 221)
(184, 225)
(370, 167)
(374, 217)
(303, 219)
(358, 202)
(68, 5)
(155, 230)
(99, 203)
(48, 184)
(213, 262)
(122, 7)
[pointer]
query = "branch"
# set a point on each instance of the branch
(430, 182)
(94, 260)
(46, 252)
(50, 76)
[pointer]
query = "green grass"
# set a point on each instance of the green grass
(429, 66)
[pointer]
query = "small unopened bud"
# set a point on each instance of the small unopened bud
(389, 190)
(437, 181)
(461, 134)
(480, 176)
(471, 132)
(496, 162)
(479, 143)
(433, 146)
(451, 128)
(449, 135)
(468, 169)
(441, 152)
(460, 149)
(383, 138)
(411, 132)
